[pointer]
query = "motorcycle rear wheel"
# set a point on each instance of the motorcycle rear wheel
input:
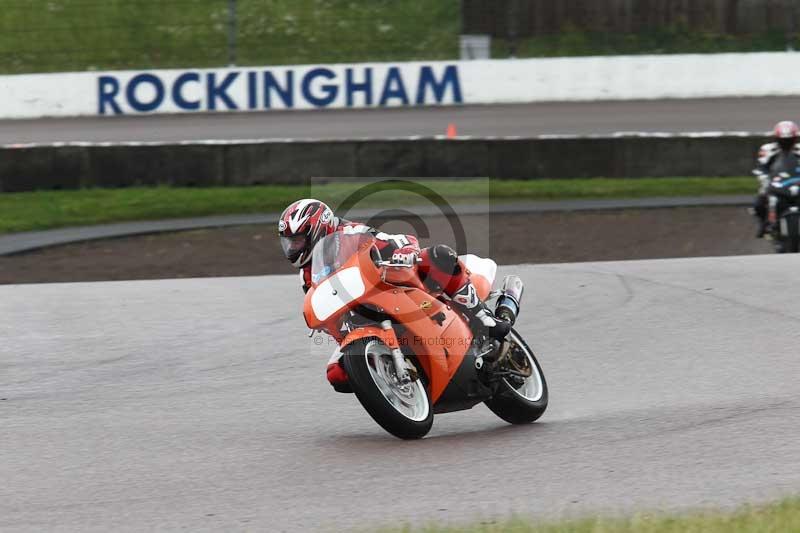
(405, 411)
(521, 403)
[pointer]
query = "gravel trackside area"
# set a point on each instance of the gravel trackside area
(509, 239)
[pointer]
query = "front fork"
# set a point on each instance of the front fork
(406, 372)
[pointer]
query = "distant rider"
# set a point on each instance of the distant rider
(305, 222)
(772, 158)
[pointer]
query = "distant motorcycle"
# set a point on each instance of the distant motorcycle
(409, 354)
(783, 215)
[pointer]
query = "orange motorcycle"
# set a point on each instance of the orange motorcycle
(407, 352)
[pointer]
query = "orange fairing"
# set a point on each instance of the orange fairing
(436, 334)
(345, 289)
(387, 336)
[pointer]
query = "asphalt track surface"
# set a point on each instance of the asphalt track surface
(671, 116)
(201, 404)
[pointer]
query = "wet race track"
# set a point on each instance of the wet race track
(202, 404)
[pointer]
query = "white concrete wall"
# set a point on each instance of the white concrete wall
(400, 84)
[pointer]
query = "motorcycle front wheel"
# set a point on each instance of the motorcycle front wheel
(404, 410)
(521, 400)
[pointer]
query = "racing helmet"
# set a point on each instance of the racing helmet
(301, 226)
(786, 133)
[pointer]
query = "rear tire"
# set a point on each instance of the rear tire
(526, 403)
(368, 362)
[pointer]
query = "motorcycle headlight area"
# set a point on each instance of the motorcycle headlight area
(336, 292)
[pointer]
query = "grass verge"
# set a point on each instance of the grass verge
(53, 209)
(66, 35)
(779, 517)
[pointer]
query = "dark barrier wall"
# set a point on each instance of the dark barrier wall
(525, 18)
(198, 164)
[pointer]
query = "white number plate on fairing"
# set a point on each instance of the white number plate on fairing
(336, 292)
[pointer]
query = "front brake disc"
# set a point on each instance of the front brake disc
(519, 362)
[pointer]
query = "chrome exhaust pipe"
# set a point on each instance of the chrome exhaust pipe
(507, 307)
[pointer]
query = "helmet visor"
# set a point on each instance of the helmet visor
(294, 246)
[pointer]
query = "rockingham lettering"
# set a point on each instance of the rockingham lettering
(394, 87)
(177, 91)
(156, 90)
(280, 88)
(219, 91)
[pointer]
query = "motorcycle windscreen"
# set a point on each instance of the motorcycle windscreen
(336, 292)
(334, 251)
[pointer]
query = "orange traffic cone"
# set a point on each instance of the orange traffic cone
(451, 131)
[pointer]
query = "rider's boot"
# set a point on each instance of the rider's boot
(479, 314)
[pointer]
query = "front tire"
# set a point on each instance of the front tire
(525, 402)
(405, 411)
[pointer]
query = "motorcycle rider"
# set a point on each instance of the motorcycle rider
(770, 157)
(305, 222)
